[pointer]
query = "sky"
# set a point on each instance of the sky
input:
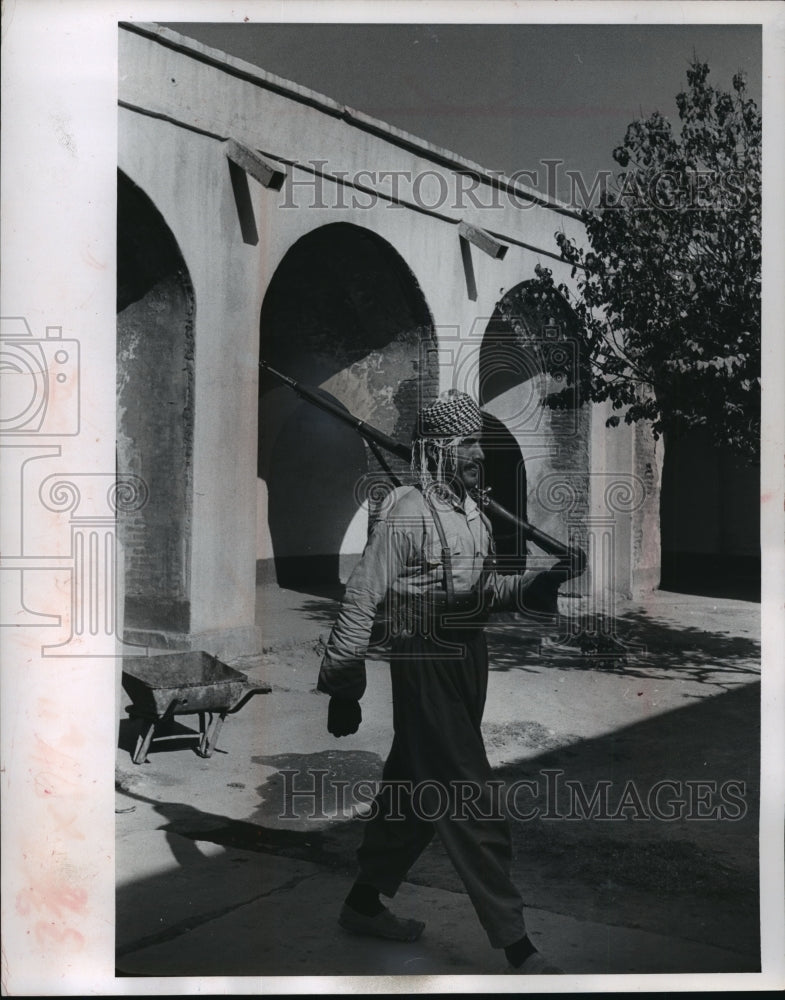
(506, 96)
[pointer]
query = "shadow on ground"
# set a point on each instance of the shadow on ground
(682, 862)
(640, 646)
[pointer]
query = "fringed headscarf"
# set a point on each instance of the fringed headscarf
(441, 426)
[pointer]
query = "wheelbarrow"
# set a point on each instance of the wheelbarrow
(184, 683)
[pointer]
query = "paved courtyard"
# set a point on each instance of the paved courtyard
(228, 866)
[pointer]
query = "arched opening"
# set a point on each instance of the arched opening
(526, 354)
(343, 312)
(505, 474)
(155, 354)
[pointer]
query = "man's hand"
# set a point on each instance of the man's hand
(343, 717)
(538, 593)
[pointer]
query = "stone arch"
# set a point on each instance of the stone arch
(343, 312)
(155, 357)
(526, 353)
(530, 334)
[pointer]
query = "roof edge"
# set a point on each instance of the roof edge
(357, 119)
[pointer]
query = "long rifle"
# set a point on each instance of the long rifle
(328, 403)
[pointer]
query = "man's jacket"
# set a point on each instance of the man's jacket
(403, 565)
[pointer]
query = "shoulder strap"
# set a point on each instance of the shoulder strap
(449, 584)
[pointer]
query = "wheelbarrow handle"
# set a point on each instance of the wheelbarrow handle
(249, 693)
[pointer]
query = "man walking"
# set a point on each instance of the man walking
(429, 558)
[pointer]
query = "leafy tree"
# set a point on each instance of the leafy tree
(669, 292)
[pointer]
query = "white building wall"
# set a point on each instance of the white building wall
(178, 103)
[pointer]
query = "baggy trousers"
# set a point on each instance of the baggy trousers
(438, 701)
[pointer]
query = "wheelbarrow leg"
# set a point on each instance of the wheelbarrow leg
(210, 732)
(143, 741)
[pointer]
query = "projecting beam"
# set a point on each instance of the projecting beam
(483, 240)
(271, 175)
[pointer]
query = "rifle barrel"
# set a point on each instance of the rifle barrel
(325, 402)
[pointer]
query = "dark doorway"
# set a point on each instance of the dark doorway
(505, 475)
(525, 355)
(710, 520)
(343, 312)
(155, 354)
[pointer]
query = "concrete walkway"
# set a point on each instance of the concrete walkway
(266, 915)
(221, 872)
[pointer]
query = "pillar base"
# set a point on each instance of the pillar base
(226, 644)
(645, 581)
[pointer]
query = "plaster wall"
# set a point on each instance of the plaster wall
(179, 102)
(189, 183)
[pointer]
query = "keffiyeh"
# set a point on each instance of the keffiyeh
(441, 426)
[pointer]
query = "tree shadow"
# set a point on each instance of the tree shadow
(639, 646)
(323, 608)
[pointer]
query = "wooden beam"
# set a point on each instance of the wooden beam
(483, 240)
(468, 269)
(271, 175)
